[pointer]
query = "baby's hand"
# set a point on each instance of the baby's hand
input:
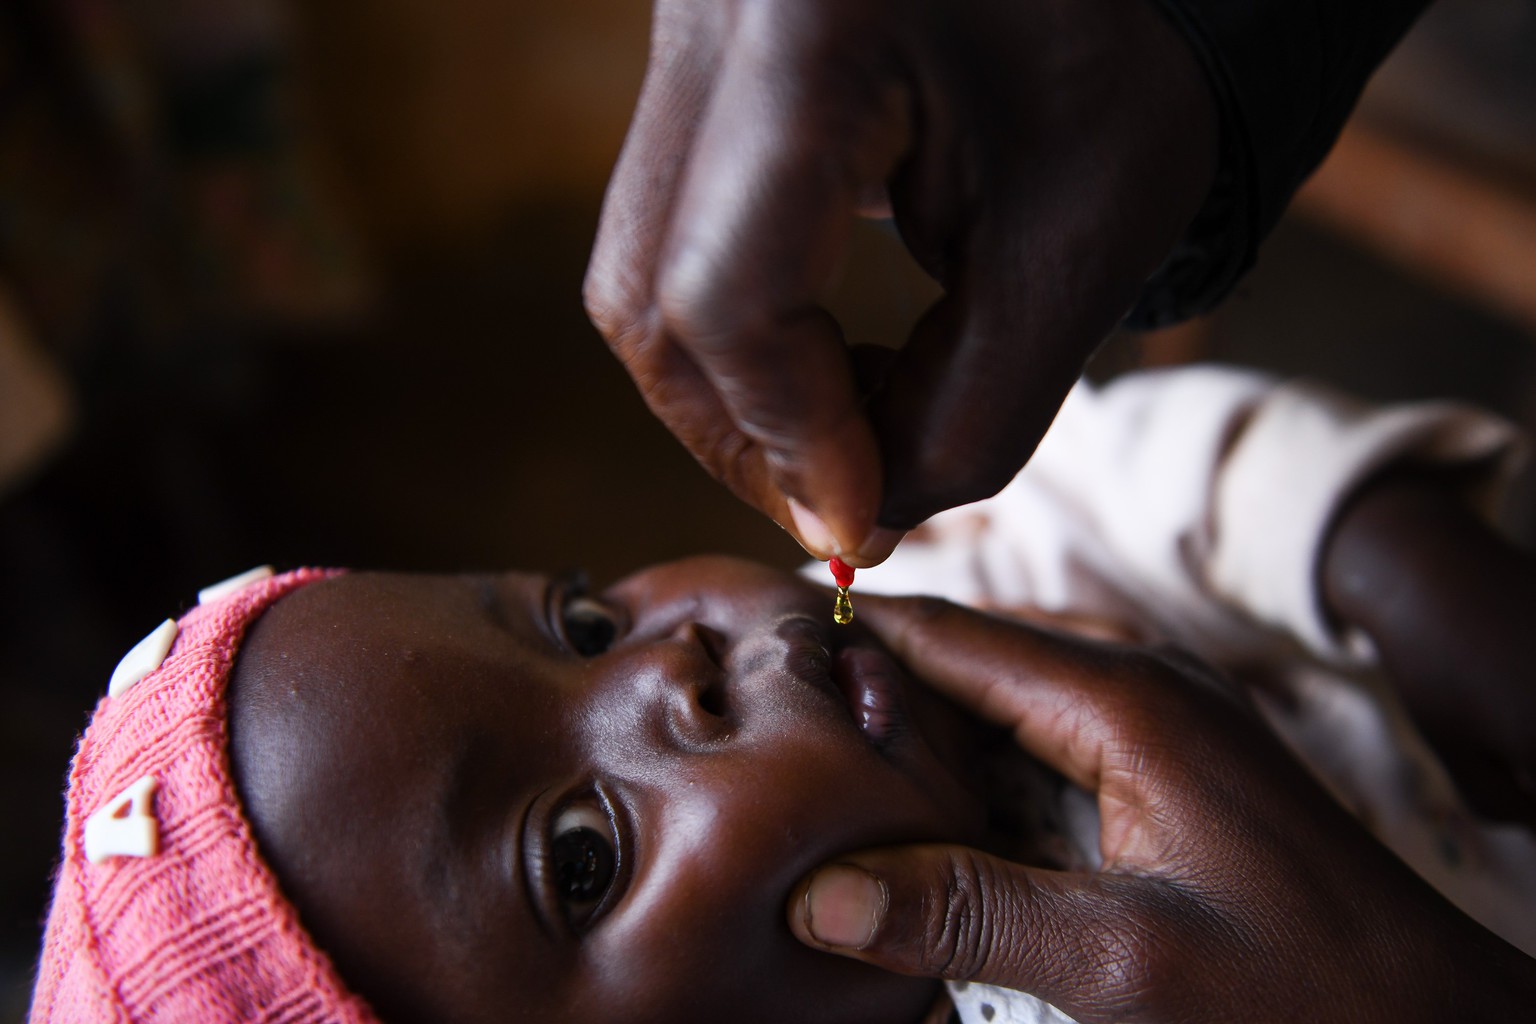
(1450, 606)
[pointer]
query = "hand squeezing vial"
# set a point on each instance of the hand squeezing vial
(842, 608)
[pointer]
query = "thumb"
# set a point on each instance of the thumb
(952, 912)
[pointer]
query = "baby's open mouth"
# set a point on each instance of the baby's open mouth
(868, 680)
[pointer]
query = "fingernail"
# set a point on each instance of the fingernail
(814, 534)
(844, 905)
(877, 547)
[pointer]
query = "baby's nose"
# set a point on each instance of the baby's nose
(709, 688)
(689, 686)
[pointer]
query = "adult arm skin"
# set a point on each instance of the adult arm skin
(1451, 608)
(1042, 159)
(1232, 885)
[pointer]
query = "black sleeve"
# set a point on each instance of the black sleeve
(1285, 74)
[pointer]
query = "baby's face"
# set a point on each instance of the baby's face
(496, 797)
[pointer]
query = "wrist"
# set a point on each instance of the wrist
(1491, 980)
(1434, 963)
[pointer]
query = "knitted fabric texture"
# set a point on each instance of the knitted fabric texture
(197, 932)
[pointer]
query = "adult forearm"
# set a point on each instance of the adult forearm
(1491, 981)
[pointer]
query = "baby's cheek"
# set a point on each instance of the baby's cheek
(777, 809)
(703, 938)
(695, 929)
(724, 839)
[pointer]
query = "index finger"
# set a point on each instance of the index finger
(786, 152)
(622, 290)
(1069, 702)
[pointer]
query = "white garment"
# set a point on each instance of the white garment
(1191, 505)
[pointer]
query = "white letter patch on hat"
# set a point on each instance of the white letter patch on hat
(124, 827)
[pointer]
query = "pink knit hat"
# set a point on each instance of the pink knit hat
(163, 910)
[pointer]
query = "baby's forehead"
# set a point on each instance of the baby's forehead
(364, 642)
(371, 778)
(406, 677)
(363, 707)
(361, 603)
(367, 612)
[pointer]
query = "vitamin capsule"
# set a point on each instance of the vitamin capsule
(842, 608)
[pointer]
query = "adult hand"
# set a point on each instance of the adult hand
(1040, 158)
(1232, 889)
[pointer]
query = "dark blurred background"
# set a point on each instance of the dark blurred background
(300, 284)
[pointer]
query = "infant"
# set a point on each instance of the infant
(504, 797)
(481, 798)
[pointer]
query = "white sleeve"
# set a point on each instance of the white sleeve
(1300, 456)
(1191, 502)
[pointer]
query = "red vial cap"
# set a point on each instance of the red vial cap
(841, 572)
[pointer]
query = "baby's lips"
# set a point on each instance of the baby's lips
(871, 687)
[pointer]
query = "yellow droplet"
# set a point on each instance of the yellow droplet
(842, 608)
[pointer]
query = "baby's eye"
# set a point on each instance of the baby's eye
(584, 855)
(588, 626)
